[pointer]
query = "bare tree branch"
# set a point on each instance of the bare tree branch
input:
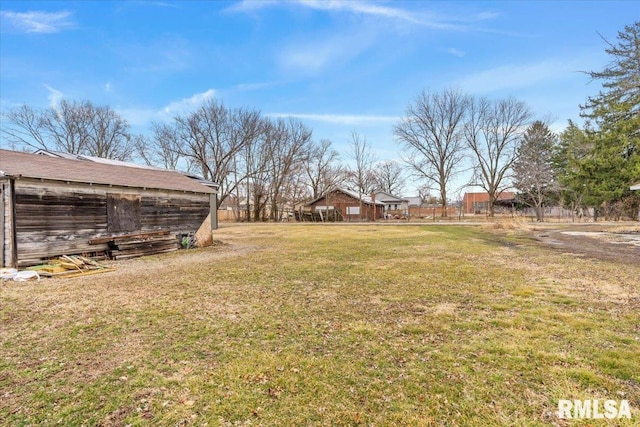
(432, 137)
(361, 174)
(493, 132)
(322, 168)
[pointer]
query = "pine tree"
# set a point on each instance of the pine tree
(613, 128)
(619, 100)
(533, 168)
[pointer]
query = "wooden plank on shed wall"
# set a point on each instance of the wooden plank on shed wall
(54, 218)
(123, 213)
(12, 228)
(180, 213)
(129, 236)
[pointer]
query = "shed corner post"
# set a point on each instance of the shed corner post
(3, 245)
(12, 237)
(213, 210)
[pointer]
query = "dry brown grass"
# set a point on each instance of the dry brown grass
(509, 223)
(315, 325)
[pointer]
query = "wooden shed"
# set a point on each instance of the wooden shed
(52, 206)
(345, 205)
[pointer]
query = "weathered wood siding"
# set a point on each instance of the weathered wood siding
(165, 211)
(5, 223)
(54, 218)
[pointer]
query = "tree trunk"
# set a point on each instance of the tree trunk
(443, 196)
(490, 207)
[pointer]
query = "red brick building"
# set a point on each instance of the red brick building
(479, 202)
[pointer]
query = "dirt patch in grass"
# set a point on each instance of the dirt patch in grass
(612, 243)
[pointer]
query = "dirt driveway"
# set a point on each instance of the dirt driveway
(619, 243)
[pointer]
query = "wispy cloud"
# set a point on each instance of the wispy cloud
(55, 96)
(311, 59)
(363, 8)
(314, 55)
(244, 6)
(370, 9)
(188, 104)
(484, 16)
(165, 54)
(156, 3)
(246, 87)
(512, 76)
(456, 52)
(354, 6)
(37, 21)
(144, 116)
(341, 119)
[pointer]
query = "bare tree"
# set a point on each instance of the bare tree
(389, 177)
(424, 193)
(360, 173)
(109, 136)
(296, 189)
(76, 127)
(255, 158)
(322, 168)
(493, 132)
(432, 134)
(212, 136)
(163, 149)
(23, 127)
(290, 141)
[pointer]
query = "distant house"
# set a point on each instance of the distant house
(393, 205)
(414, 201)
(51, 205)
(478, 202)
(345, 205)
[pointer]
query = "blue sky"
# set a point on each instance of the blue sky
(338, 66)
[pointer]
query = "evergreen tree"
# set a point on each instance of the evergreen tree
(534, 175)
(573, 148)
(619, 100)
(603, 176)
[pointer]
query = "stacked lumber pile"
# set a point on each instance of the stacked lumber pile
(135, 245)
(69, 266)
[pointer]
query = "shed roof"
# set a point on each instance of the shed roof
(388, 198)
(20, 164)
(70, 156)
(635, 186)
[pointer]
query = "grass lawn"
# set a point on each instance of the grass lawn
(298, 325)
